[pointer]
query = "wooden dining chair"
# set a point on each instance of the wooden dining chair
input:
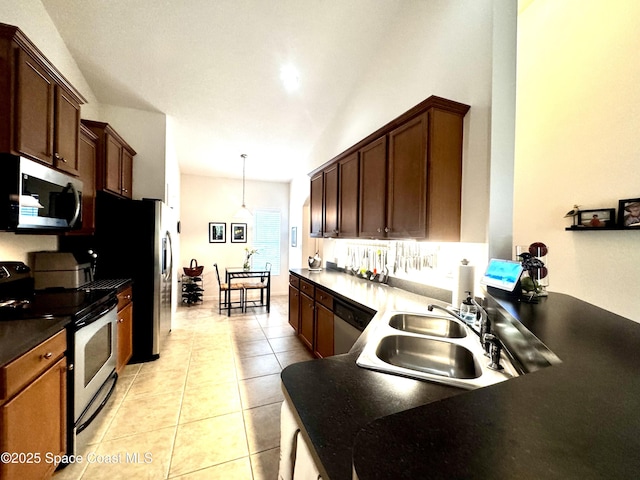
(227, 288)
(262, 285)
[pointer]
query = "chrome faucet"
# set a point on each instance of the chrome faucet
(485, 323)
(485, 326)
(431, 306)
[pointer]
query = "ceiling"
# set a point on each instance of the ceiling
(213, 67)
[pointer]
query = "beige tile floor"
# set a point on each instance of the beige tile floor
(208, 408)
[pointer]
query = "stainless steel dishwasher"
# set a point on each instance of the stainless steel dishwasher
(348, 323)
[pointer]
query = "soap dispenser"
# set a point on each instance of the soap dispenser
(468, 310)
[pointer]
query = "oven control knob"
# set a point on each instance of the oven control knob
(22, 268)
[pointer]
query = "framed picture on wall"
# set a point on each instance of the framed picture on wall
(629, 213)
(217, 232)
(238, 233)
(603, 217)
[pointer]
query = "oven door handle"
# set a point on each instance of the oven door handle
(82, 426)
(91, 317)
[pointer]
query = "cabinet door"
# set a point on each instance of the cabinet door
(348, 196)
(306, 321)
(331, 201)
(127, 173)
(34, 110)
(87, 153)
(34, 422)
(407, 184)
(324, 332)
(113, 164)
(373, 188)
(315, 203)
(67, 132)
(125, 338)
(294, 308)
(445, 176)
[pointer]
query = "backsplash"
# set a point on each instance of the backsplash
(428, 263)
(14, 247)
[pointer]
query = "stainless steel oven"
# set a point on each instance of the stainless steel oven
(95, 351)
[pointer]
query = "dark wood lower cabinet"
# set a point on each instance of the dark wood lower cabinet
(324, 332)
(34, 426)
(294, 308)
(307, 317)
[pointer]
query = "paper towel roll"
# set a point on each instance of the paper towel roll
(464, 282)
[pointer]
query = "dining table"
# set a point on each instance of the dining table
(234, 273)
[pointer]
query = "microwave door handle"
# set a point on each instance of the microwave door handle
(76, 212)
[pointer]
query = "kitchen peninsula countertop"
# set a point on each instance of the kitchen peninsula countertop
(576, 419)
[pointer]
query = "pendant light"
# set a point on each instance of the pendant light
(244, 212)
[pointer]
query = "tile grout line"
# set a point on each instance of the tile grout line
(244, 423)
(184, 387)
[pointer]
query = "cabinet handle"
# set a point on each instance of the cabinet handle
(128, 297)
(379, 230)
(120, 320)
(56, 156)
(48, 355)
(386, 229)
(124, 190)
(70, 367)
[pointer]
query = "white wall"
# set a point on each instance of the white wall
(210, 199)
(577, 130)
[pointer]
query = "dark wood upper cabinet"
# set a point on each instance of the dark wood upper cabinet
(373, 189)
(330, 201)
(410, 176)
(87, 154)
(114, 163)
(348, 181)
(316, 206)
(67, 116)
(34, 110)
(41, 108)
(407, 180)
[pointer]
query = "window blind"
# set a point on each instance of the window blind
(266, 229)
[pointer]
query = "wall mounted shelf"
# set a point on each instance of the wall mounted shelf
(591, 229)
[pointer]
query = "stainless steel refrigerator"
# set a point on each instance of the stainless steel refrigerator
(134, 240)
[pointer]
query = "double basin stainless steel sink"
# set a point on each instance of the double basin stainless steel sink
(431, 346)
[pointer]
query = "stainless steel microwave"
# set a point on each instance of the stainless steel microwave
(35, 197)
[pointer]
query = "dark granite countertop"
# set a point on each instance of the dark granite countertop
(576, 419)
(19, 336)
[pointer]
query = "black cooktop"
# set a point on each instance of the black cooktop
(56, 303)
(19, 301)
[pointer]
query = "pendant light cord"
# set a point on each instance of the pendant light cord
(244, 162)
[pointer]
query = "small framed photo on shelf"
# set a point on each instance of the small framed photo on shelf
(603, 218)
(238, 233)
(217, 232)
(629, 213)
